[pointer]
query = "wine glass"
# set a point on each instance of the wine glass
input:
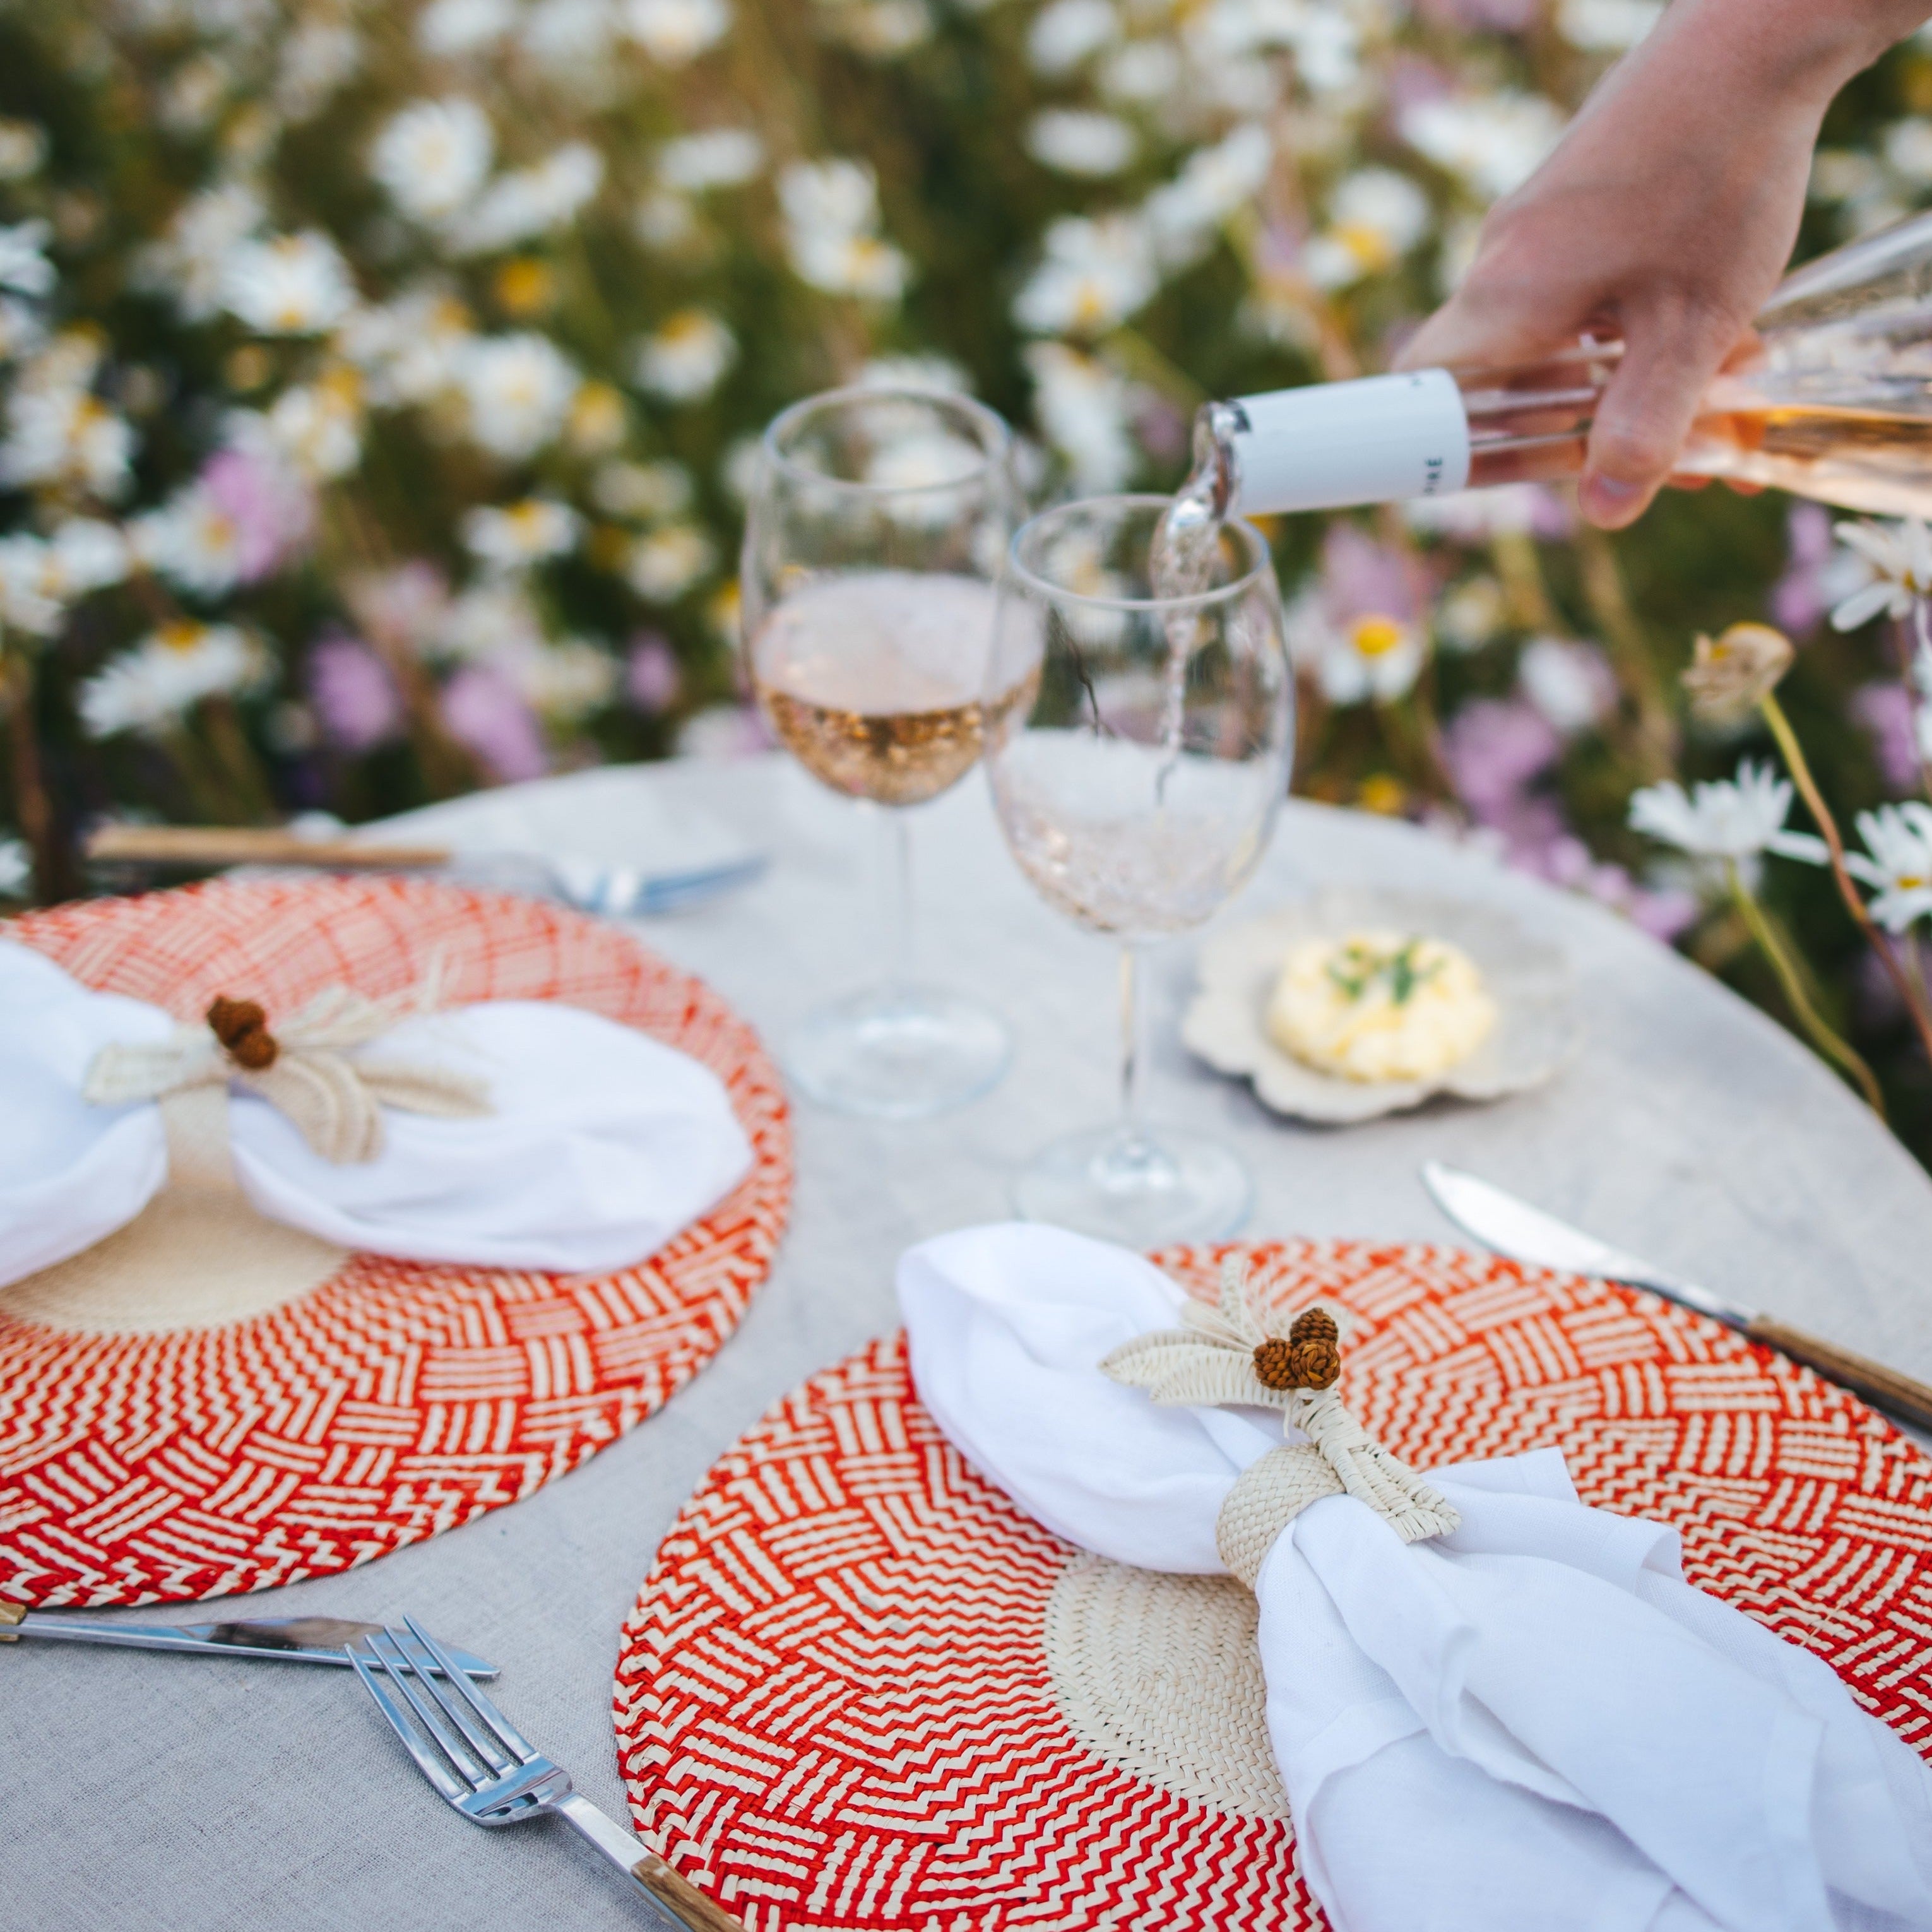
(1137, 791)
(872, 546)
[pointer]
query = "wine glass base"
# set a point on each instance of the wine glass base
(1141, 1190)
(899, 1053)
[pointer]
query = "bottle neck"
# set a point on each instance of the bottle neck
(1333, 445)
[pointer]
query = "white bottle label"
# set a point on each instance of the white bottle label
(1332, 445)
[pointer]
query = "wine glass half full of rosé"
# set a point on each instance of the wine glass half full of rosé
(873, 547)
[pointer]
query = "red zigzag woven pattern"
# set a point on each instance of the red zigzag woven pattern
(397, 1400)
(832, 1703)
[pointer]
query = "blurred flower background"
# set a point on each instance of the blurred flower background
(379, 386)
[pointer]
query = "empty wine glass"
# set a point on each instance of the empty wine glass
(1137, 791)
(872, 545)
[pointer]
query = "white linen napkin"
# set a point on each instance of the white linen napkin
(600, 1144)
(1530, 1724)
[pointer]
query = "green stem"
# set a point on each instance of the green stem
(1827, 1042)
(1799, 767)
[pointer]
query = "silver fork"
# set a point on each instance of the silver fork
(484, 1766)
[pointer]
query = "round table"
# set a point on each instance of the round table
(162, 1793)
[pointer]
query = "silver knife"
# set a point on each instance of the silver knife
(1514, 1228)
(283, 1640)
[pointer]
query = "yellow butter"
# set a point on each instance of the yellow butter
(1380, 1005)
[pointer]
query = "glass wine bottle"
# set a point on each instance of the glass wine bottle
(1833, 401)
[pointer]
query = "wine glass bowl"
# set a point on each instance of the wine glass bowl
(872, 545)
(1137, 786)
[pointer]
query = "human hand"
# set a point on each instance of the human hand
(1665, 216)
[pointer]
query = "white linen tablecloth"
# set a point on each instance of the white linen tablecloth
(167, 1795)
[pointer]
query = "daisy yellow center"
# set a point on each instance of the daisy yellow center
(1375, 637)
(525, 286)
(180, 636)
(1370, 246)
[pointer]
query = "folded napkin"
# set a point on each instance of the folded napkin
(513, 1133)
(1529, 1721)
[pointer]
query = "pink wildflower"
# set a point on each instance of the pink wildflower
(356, 700)
(484, 711)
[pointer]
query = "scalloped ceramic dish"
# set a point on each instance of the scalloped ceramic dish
(1537, 1031)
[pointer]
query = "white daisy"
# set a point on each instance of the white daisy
(1908, 147)
(686, 358)
(193, 542)
(316, 427)
(21, 331)
(1085, 409)
(493, 623)
(1474, 517)
(938, 374)
(317, 58)
(24, 266)
(85, 554)
(27, 601)
(1214, 182)
(832, 219)
(156, 684)
(187, 261)
(23, 149)
(1467, 615)
(1570, 683)
(879, 29)
(518, 389)
(288, 284)
(1724, 818)
(1373, 657)
(408, 350)
(564, 682)
(1493, 142)
(642, 492)
(675, 32)
(531, 201)
(667, 562)
(1375, 216)
(433, 156)
(61, 434)
(520, 535)
(1095, 274)
(1078, 142)
(718, 157)
(1897, 861)
(447, 27)
(1607, 26)
(1899, 557)
(665, 221)
(1062, 34)
(568, 35)
(1141, 73)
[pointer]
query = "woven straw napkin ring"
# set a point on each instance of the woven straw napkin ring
(1226, 1354)
(302, 1068)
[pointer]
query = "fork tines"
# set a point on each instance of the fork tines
(474, 1756)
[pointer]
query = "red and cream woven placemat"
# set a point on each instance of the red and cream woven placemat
(395, 1400)
(861, 1689)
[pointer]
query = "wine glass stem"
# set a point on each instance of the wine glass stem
(1133, 1046)
(895, 873)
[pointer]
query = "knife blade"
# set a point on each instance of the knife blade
(1514, 1228)
(281, 1639)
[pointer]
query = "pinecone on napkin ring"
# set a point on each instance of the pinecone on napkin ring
(302, 1068)
(1226, 1355)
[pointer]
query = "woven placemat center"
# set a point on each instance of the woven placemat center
(1160, 1675)
(190, 1259)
